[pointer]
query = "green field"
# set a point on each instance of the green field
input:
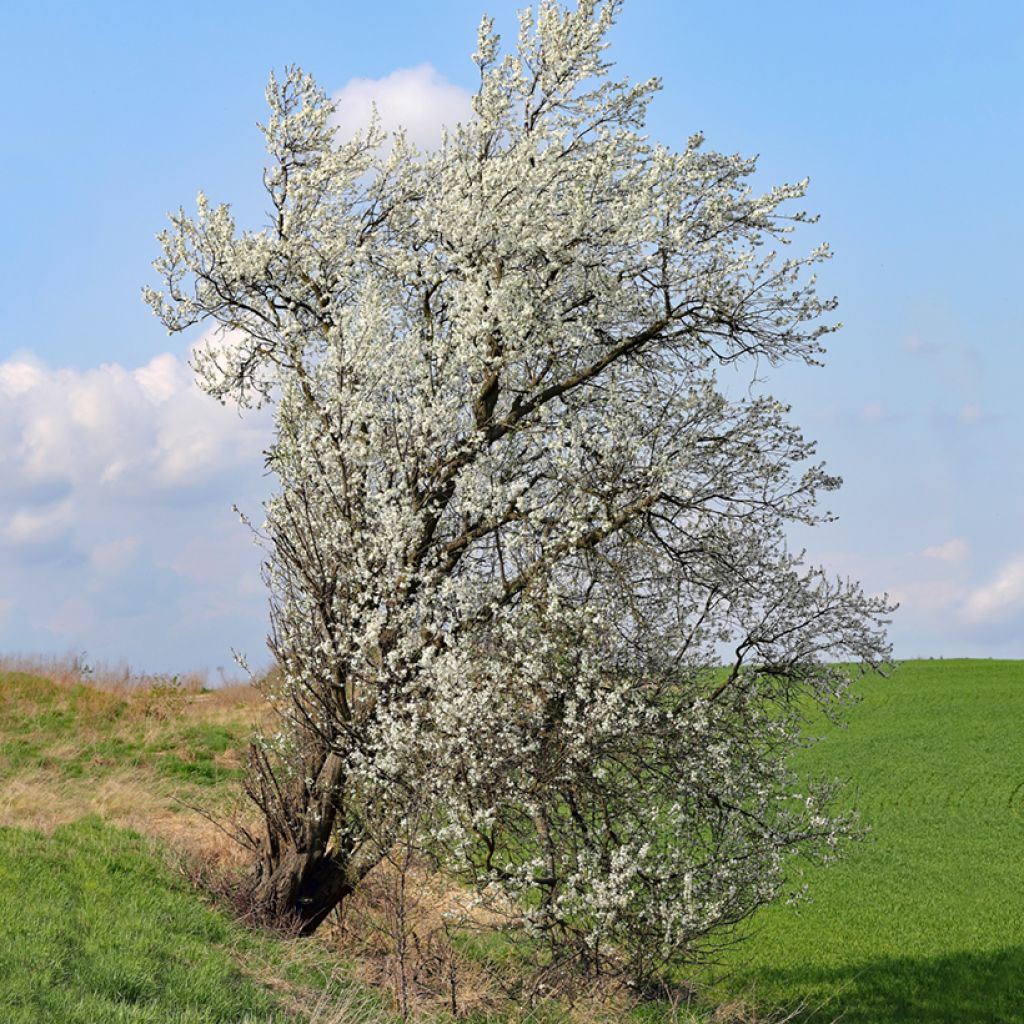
(923, 921)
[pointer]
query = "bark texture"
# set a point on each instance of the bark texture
(303, 871)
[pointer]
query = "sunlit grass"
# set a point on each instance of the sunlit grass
(136, 754)
(924, 920)
(93, 928)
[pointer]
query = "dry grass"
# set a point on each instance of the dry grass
(334, 999)
(119, 729)
(398, 930)
(121, 680)
(73, 670)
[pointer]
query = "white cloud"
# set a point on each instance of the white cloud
(108, 475)
(113, 430)
(19, 376)
(955, 550)
(160, 378)
(73, 619)
(115, 555)
(26, 526)
(207, 558)
(998, 599)
(926, 598)
(418, 99)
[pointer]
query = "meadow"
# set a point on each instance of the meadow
(923, 920)
(101, 784)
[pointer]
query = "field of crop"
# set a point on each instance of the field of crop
(923, 921)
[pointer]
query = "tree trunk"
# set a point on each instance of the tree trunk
(300, 874)
(302, 886)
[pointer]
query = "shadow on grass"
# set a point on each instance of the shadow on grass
(966, 988)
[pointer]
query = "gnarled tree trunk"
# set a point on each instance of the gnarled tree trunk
(302, 870)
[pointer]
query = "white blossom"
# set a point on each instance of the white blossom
(517, 517)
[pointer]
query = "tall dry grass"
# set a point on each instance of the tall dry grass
(115, 703)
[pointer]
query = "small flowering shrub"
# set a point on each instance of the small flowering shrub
(518, 519)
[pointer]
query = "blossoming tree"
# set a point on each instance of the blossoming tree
(518, 519)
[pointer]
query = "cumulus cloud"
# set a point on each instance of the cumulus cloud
(418, 99)
(113, 431)
(955, 550)
(31, 526)
(949, 608)
(1000, 598)
(116, 529)
(115, 555)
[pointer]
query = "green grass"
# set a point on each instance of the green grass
(79, 732)
(923, 921)
(94, 928)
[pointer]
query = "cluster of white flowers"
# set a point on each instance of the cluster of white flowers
(516, 517)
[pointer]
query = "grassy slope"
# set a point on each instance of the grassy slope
(135, 757)
(94, 925)
(78, 730)
(93, 928)
(924, 920)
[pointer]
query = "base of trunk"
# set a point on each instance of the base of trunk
(299, 890)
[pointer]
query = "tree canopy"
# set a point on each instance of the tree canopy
(519, 522)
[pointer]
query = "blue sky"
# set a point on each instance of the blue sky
(117, 479)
